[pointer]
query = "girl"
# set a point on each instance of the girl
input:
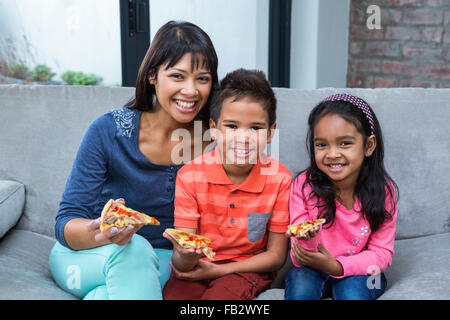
(127, 153)
(347, 184)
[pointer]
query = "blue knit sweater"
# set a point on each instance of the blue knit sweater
(109, 165)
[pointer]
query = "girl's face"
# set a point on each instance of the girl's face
(339, 149)
(180, 91)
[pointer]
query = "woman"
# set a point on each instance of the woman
(126, 154)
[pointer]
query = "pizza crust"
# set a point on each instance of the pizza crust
(182, 238)
(120, 220)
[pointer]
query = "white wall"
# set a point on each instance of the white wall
(80, 35)
(84, 35)
(319, 43)
(238, 29)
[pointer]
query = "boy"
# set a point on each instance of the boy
(230, 196)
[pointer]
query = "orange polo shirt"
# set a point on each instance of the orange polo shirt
(235, 217)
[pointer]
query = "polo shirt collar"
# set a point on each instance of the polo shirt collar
(215, 173)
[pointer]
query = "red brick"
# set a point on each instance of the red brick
(357, 15)
(413, 51)
(382, 48)
(405, 68)
(382, 82)
(435, 71)
(447, 17)
(446, 52)
(402, 33)
(359, 65)
(431, 34)
(361, 32)
(405, 3)
(445, 72)
(447, 35)
(437, 3)
(418, 83)
(354, 81)
(390, 16)
(423, 16)
(355, 47)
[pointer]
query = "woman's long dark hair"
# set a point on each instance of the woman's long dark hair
(171, 42)
(373, 180)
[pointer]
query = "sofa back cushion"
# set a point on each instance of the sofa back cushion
(42, 127)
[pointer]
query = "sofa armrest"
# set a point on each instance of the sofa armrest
(12, 201)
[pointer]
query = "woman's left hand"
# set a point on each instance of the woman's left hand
(204, 270)
(321, 260)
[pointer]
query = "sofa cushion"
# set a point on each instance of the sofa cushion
(24, 269)
(12, 199)
(419, 271)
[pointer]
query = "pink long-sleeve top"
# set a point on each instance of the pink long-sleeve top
(350, 240)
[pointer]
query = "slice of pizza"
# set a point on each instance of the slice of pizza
(303, 227)
(115, 214)
(191, 240)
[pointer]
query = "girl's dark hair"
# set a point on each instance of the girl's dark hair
(243, 83)
(373, 180)
(171, 42)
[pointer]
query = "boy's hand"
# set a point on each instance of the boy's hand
(183, 259)
(311, 233)
(202, 271)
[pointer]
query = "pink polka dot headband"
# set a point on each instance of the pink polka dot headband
(357, 102)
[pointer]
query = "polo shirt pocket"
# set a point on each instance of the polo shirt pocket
(257, 225)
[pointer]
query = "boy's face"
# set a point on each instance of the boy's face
(242, 131)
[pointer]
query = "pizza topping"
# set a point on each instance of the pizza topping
(191, 240)
(115, 214)
(303, 227)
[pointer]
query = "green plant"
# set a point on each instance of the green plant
(19, 71)
(79, 78)
(42, 73)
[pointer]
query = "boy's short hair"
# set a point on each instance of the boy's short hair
(241, 84)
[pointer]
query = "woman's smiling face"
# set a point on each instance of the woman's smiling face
(181, 90)
(339, 149)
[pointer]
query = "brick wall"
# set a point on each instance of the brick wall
(412, 48)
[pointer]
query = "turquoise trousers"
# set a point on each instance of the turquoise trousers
(133, 271)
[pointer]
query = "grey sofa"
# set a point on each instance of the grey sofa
(42, 126)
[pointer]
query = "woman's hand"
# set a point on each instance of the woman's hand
(311, 233)
(322, 260)
(202, 271)
(119, 236)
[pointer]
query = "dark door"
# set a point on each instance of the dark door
(135, 37)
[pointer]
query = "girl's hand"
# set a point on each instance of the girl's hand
(311, 233)
(114, 235)
(204, 270)
(322, 260)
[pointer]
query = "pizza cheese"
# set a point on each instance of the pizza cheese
(117, 215)
(303, 227)
(191, 240)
